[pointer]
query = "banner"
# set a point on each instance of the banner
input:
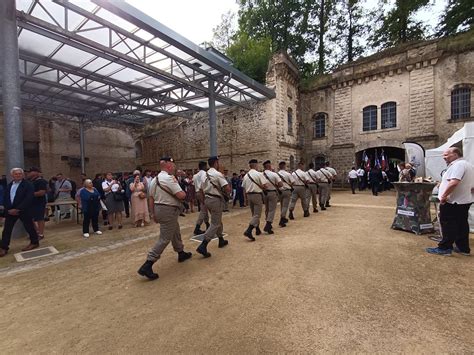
(415, 155)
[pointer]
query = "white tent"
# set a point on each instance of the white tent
(464, 138)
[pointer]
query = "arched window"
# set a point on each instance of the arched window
(460, 103)
(369, 118)
(319, 125)
(389, 115)
(290, 120)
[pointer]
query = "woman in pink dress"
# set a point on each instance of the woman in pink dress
(139, 202)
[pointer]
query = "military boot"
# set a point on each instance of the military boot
(147, 270)
(182, 256)
(222, 242)
(202, 249)
(290, 216)
(322, 207)
(282, 222)
(306, 213)
(315, 210)
(197, 230)
(248, 233)
(258, 231)
(268, 228)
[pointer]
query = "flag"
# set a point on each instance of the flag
(366, 161)
(377, 161)
(384, 162)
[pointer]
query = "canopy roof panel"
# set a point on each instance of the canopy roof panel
(107, 60)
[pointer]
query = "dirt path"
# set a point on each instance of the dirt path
(338, 281)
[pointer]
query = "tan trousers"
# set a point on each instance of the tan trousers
(299, 192)
(203, 213)
(271, 201)
(285, 202)
(323, 193)
(313, 195)
(167, 217)
(215, 206)
(256, 204)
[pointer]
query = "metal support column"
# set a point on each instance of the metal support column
(212, 120)
(82, 147)
(13, 131)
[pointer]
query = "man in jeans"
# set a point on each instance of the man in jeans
(456, 194)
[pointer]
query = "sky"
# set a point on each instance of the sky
(195, 19)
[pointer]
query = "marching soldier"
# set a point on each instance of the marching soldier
(300, 191)
(272, 196)
(216, 190)
(287, 188)
(313, 187)
(324, 177)
(333, 173)
(165, 202)
(254, 185)
(198, 178)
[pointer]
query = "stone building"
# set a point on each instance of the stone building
(417, 92)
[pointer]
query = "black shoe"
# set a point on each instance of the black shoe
(323, 208)
(327, 204)
(147, 270)
(268, 228)
(290, 216)
(182, 256)
(306, 213)
(258, 231)
(198, 230)
(315, 210)
(282, 222)
(248, 233)
(222, 242)
(202, 249)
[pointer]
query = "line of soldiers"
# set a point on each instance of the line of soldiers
(265, 188)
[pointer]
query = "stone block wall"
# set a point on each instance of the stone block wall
(421, 102)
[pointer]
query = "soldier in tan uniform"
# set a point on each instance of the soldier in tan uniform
(286, 189)
(203, 216)
(254, 184)
(301, 190)
(165, 202)
(313, 187)
(333, 173)
(272, 195)
(216, 191)
(323, 183)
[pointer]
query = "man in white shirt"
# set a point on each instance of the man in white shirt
(165, 204)
(456, 194)
(301, 191)
(203, 216)
(324, 177)
(254, 185)
(313, 187)
(361, 177)
(272, 195)
(216, 191)
(286, 189)
(353, 178)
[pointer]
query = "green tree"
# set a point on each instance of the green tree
(251, 56)
(320, 16)
(458, 17)
(224, 32)
(400, 25)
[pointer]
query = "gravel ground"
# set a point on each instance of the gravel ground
(340, 281)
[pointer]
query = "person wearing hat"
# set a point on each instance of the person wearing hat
(254, 185)
(313, 187)
(287, 187)
(272, 196)
(203, 216)
(18, 199)
(40, 186)
(301, 190)
(165, 202)
(216, 190)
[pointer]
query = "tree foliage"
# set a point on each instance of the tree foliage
(399, 24)
(224, 32)
(458, 17)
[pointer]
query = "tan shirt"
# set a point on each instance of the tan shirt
(302, 176)
(287, 179)
(198, 179)
(323, 178)
(250, 186)
(168, 183)
(273, 180)
(217, 179)
(313, 177)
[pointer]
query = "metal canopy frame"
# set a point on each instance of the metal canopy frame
(106, 60)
